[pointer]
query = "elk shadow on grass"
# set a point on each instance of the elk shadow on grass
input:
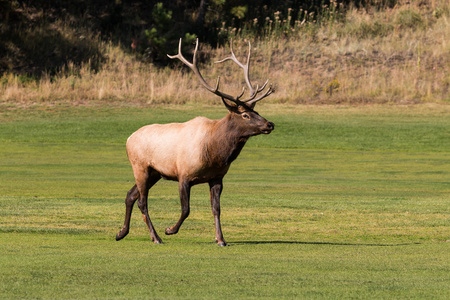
(280, 242)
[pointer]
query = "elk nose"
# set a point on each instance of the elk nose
(270, 125)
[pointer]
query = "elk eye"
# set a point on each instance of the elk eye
(245, 116)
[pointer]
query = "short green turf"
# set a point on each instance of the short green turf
(338, 202)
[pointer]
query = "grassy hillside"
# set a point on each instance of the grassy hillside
(384, 54)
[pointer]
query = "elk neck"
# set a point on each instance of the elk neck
(224, 143)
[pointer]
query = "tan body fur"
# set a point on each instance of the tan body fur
(178, 150)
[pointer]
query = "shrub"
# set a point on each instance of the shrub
(163, 37)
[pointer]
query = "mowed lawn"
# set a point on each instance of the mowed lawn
(338, 202)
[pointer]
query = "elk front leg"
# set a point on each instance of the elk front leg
(215, 188)
(132, 196)
(185, 192)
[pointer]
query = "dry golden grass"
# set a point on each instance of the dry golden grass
(390, 55)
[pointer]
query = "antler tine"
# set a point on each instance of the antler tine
(269, 91)
(232, 57)
(241, 94)
(252, 96)
(217, 84)
(193, 67)
(181, 57)
(263, 87)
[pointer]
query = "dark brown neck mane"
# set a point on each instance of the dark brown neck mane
(225, 142)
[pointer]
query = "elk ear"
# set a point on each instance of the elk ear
(230, 107)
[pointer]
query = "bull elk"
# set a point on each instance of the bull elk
(197, 151)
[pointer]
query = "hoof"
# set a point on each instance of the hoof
(222, 244)
(121, 235)
(169, 231)
(156, 239)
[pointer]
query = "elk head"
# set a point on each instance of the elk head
(242, 115)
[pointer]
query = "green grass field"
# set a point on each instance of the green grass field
(338, 202)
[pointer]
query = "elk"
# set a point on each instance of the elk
(197, 151)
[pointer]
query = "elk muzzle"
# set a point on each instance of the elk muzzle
(269, 126)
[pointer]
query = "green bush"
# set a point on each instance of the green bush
(162, 37)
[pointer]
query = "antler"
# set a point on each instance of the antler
(253, 92)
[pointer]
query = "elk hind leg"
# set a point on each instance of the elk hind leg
(144, 186)
(132, 196)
